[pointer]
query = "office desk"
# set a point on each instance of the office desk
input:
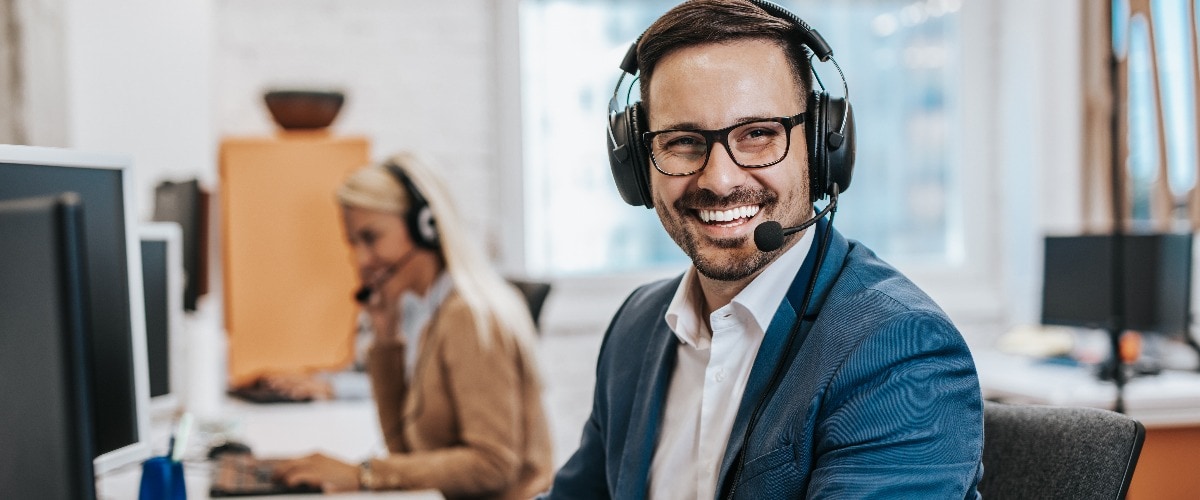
(1167, 404)
(348, 430)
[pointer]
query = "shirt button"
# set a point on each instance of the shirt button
(720, 376)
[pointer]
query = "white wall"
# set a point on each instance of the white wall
(165, 81)
(418, 75)
(138, 82)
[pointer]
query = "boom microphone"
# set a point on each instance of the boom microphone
(363, 294)
(769, 235)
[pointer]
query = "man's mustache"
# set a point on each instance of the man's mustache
(704, 198)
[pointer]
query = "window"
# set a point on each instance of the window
(1161, 104)
(902, 60)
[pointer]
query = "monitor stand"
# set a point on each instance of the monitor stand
(1114, 369)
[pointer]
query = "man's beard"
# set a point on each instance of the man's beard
(734, 268)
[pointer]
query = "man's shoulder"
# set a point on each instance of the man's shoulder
(641, 313)
(656, 291)
(865, 273)
(869, 300)
(648, 301)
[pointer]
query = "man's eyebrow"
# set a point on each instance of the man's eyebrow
(681, 126)
(696, 126)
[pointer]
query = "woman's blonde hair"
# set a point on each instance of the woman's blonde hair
(488, 295)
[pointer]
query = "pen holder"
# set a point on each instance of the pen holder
(162, 479)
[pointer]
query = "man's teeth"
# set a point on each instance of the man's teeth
(728, 215)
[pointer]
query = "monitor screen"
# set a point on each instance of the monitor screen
(1078, 282)
(44, 371)
(162, 287)
(182, 203)
(114, 285)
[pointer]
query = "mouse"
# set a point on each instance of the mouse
(228, 448)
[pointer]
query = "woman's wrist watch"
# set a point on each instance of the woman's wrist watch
(366, 478)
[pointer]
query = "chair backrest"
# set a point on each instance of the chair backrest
(1033, 451)
(535, 293)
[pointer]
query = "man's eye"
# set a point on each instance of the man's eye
(684, 143)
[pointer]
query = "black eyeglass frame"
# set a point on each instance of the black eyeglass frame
(722, 136)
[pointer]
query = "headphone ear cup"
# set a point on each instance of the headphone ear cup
(641, 158)
(831, 145)
(424, 228)
(814, 134)
(839, 143)
(627, 156)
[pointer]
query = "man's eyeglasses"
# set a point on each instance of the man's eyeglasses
(753, 144)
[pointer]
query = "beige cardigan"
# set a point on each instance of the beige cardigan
(472, 425)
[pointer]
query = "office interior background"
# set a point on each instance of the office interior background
(977, 123)
(971, 121)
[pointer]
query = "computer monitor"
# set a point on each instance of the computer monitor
(45, 421)
(183, 203)
(117, 337)
(1078, 282)
(162, 286)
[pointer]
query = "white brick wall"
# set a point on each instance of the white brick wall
(418, 75)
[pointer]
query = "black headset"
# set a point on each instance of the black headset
(829, 119)
(422, 226)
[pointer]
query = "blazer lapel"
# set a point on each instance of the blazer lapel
(770, 353)
(658, 362)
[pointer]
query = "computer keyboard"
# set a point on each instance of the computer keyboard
(261, 392)
(236, 475)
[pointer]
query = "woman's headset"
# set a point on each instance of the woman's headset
(422, 226)
(829, 127)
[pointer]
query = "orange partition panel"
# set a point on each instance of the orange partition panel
(287, 270)
(1168, 465)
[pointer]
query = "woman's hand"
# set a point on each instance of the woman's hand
(298, 385)
(382, 306)
(330, 474)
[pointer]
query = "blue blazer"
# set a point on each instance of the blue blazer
(880, 398)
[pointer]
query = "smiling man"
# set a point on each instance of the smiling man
(787, 364)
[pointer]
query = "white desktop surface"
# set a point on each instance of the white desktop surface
(347, 430)
(1168, 399)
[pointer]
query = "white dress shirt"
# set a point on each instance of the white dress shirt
(713, 364)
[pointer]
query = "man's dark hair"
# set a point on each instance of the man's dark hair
(697, 22)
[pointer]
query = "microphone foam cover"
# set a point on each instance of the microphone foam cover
(362, 295)
(768, 236)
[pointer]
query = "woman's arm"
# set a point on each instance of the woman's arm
(485, 388)
(385, 367)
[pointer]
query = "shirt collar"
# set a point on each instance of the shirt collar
(417, 310)
(761, 297)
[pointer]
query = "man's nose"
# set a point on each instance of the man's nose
(721, 175)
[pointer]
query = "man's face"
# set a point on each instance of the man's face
(712, 214)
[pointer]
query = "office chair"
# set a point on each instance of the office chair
(535, 293)
(1033, 451)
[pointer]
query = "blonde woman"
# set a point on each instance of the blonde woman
(451, 364)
